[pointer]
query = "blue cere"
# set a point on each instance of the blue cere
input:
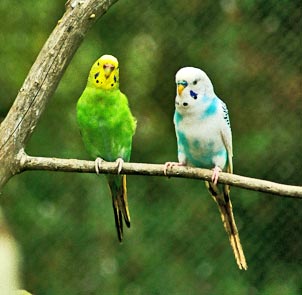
(183, 83)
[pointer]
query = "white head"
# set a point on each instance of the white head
(192, 85)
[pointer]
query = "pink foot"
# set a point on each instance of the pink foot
(169, 165)
(215, 175)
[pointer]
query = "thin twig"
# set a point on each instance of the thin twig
(74, 165)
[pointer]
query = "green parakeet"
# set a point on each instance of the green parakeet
(107, 127)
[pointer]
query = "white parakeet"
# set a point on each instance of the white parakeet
(204, 140)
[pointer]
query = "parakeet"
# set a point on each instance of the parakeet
(204, 140)
(107, 127)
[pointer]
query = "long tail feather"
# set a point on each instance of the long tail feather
(118, 219)
(226, 211)
(118, 190)
(123, 201)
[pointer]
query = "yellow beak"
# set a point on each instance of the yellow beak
(108, 68)
(180, 88)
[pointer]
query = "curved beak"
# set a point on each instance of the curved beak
(181, 85)
(108, 68)
(180, 88)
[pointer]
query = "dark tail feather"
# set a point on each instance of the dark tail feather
(225, 208)
(118, 219)
(118, 189)
(123, 201)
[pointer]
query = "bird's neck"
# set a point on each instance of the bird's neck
(203, 108)
(103, 83)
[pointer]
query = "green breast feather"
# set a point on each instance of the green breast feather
(106, 123)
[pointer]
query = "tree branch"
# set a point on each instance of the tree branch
(43, 79)
(41, 83)
(74, 165)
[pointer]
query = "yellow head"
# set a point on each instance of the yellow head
(104, 74)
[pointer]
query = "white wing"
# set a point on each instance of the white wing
(226, 134)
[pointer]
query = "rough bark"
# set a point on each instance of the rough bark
(73, 165)
(43, 79)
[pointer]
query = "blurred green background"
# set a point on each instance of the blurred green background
(64, 224)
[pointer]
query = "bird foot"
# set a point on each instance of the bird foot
(119, 166)
(97, 165)
(215, 175)
(169, 165)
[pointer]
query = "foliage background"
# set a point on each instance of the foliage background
(63, 222)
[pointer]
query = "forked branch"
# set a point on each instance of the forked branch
(43, 78)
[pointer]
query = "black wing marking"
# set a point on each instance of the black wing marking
(225, 113)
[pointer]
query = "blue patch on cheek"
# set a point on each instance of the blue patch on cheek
(193, 94)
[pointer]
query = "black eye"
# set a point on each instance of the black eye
(195, 82)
